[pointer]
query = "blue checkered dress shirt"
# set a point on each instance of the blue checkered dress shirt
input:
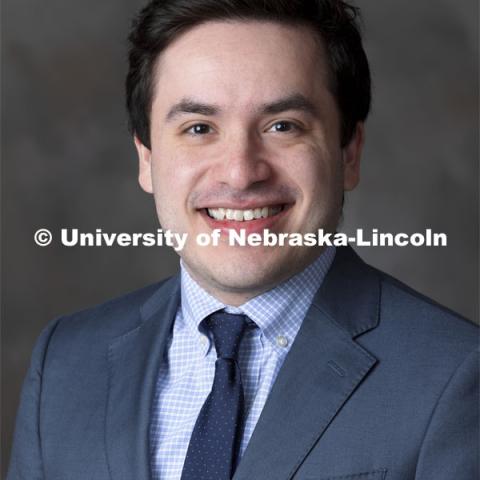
(186, 376)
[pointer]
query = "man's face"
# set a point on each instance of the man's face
(243, 125)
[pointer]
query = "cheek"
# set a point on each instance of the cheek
(316, 172)
(176, 174)
(169, 166)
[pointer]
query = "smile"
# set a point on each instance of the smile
(244, 215)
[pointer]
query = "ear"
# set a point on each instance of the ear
(144, 165)
(351, 155)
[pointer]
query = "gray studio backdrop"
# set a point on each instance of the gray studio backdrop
(69, 162)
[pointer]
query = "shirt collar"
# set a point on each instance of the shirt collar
(278, 312)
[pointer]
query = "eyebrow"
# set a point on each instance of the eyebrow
(191, 106)
(291, 102)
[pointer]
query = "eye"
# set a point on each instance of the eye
(199, 129)
(284, 127)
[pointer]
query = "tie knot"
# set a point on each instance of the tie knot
(227, 330)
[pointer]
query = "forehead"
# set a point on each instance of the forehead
(243, 62)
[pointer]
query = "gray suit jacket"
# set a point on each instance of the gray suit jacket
(380, 383)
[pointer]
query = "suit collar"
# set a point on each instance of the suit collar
(166, 296)
(134, 360)
(350, 294)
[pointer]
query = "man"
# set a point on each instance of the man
(256, 362)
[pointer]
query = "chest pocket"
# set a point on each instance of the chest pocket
(375, 475)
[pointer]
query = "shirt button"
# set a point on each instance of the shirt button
(203, 340)
(282, 341)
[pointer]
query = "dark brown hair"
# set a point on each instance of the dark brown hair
(335, 21)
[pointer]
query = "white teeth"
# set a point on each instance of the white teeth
(217, 213)
(238, 215)
(248, 215)
(243, 215)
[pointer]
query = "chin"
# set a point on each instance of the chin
(248, 272)
(248, 279)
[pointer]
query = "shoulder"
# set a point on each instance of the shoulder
(400, 300)
(391, 319)
(109, 320)
(431, 333)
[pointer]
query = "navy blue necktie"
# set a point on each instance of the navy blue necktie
(214, 444)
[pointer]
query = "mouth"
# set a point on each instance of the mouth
(246, 215)
(252, 220)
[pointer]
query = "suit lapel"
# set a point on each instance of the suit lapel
(322, 370)
(134, 360)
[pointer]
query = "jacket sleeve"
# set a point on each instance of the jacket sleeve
(26, 457)
(450, 449)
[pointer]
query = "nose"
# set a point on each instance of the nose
(243, 163)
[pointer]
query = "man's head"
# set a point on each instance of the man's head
(247, 105)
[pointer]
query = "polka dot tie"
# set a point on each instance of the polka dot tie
(213, 448)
